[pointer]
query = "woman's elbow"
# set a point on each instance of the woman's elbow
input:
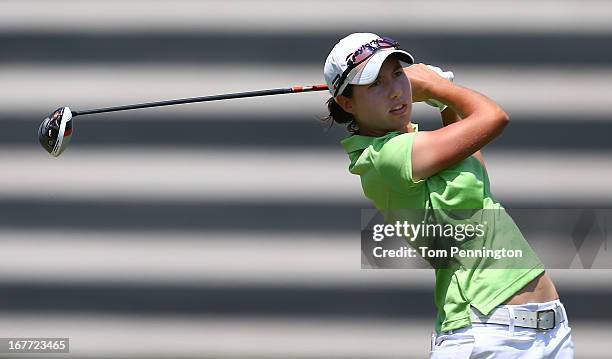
(502, 119)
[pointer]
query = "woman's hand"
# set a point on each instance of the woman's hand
(424, 82)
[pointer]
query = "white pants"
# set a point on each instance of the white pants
(480, 341)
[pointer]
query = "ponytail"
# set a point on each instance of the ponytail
(338, 115)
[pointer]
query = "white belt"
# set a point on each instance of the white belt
(540, 320)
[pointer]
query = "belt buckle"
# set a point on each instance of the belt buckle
(540, 319)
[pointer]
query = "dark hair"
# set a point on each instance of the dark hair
(338, 115)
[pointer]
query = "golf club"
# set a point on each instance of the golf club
(55, 131)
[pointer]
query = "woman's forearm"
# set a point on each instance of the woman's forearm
(450, 116)
(467, 103)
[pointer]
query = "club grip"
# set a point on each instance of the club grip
(296, 89)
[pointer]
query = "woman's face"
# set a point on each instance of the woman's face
(384, 105)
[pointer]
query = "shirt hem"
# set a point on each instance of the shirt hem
(455, 324)
(498, 299)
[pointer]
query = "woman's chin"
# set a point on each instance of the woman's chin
(405, 123)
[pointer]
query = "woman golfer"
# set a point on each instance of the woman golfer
(482, 312)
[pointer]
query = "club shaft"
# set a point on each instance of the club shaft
(278, 91)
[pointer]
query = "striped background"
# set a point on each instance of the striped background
(230, 229)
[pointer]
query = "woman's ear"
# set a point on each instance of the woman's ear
(346, 103)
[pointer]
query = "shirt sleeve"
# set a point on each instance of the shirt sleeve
(393, 161)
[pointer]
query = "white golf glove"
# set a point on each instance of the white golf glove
(447, 75)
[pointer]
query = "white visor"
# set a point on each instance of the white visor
(366, 72)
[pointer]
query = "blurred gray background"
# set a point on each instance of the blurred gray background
(231, 229)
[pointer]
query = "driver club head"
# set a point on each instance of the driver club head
(55, 131)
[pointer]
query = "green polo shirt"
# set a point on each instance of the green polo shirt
(384, 166)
